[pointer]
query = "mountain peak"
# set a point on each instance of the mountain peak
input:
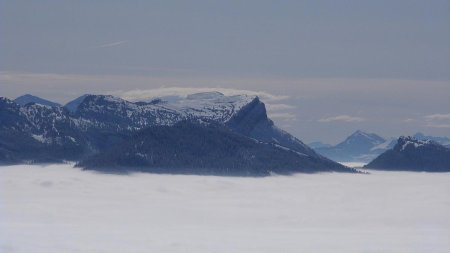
(28, 98)
(97, 102)
(409, 142)
(358, 147)
(407, 138)
(360, 136)
(364, 134)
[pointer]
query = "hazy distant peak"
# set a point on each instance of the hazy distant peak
(28, 98)
(358, 147)
(442, 140)
(361, 135)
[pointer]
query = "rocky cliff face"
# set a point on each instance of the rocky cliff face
(252, 121)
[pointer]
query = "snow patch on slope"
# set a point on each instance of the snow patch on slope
(408, 142)
(40, 138)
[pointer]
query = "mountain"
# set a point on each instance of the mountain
(445, 141)
(414, 155)
(96, 123)
(115, 113)
(27, 98)
(36, 133)
(244, 114)
(204, 148)
(358, 147)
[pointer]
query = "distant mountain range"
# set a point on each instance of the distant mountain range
(89, 128)
(358, 147)
(364, 147)
(445, 141)
(412, 154)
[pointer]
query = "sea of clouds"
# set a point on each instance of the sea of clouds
(57, 208)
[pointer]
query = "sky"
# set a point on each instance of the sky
(324, 68)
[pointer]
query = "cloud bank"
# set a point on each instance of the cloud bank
(142, 94)
(438, 117)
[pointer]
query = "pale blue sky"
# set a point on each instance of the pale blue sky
(326, 55)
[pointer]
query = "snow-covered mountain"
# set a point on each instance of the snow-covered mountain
(27, 98)
(412, 154)
(95, 123)
(243, 113)
(358, 147)
(38, 133)
(106, 109)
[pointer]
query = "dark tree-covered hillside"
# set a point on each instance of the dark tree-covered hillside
(194, 148)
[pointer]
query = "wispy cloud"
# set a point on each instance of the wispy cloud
(438, 120)
(112, 44)
(280, 107)
(438, 125)
(438, 117)
(285, 116)
(145, 94)
(280, 111)
(342, 118)
(409, 120)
